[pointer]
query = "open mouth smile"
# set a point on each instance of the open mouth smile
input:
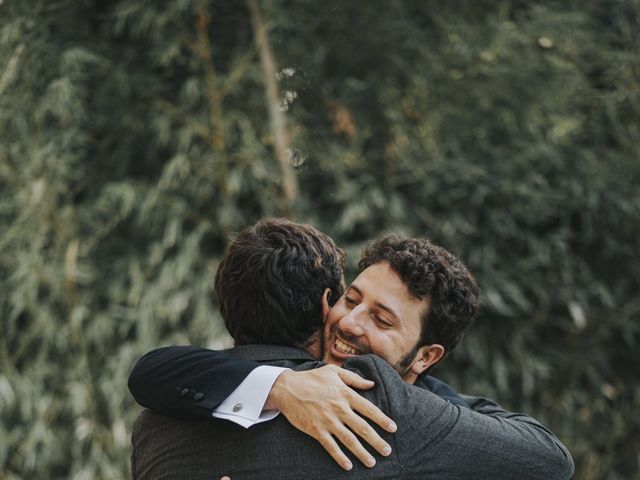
(344, 349)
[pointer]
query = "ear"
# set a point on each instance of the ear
(427, 356)
(325, 303)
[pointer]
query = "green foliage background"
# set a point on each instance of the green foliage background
(136, 140)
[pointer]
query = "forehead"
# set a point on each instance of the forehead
(379, 283)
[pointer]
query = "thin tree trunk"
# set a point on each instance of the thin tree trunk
(204, 50)
(280, 138)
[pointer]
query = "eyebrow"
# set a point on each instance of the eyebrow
(381, 306)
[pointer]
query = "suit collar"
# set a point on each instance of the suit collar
(265, 353)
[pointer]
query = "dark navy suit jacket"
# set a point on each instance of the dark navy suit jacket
(189, 382)
(435, 439)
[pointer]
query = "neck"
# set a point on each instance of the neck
(314, 346)
(410, 377)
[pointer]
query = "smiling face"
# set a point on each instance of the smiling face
(378, 315)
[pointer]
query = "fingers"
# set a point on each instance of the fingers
(373, 413)
(322, 404)
(354, 380)
(350, 441)
(330, 445)
(361, 428)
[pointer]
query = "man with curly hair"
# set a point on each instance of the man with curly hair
(410, 305)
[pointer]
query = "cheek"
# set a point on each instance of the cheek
(394, 346)
(378, 341)
(334, 316)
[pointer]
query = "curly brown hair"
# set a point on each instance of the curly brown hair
(271, 280)
(432, 273)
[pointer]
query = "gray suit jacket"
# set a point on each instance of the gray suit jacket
(435, 439)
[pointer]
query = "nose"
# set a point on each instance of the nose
(352, 322)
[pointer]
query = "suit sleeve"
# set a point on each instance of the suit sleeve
(186, 382)
(484, 441)
(441, 389)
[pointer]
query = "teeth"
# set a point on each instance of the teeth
(344, 348)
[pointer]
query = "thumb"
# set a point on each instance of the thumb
(354, 380)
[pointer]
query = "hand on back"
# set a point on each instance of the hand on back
(323, 404)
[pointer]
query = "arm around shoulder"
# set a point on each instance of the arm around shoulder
(435, 436)
(186, 382)
(549, 450)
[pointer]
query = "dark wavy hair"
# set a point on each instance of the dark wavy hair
(431, 273)
(271, 280)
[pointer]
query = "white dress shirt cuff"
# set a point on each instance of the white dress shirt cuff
(244, 405)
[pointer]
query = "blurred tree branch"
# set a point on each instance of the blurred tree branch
(204, 52)
(280, 138)
(10, 69)
(175, 112)
(237, 72)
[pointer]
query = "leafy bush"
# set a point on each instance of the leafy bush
(136, 140)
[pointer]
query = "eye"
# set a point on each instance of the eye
(382, 321)
(349, 301)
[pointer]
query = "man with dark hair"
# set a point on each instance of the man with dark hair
(433, 274)
(409, 283)
(435, 437)
(276, 279)
(289, 312)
